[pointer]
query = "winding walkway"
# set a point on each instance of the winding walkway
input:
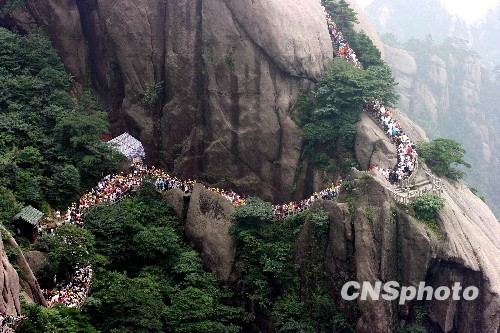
(113, 188)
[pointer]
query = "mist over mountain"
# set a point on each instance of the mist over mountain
(417, 19)
(486, 35)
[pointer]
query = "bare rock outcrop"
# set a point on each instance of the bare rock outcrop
(372, 147)
(465, 249)
(29, 282)
(377, 240)
(207, 217)
(365, 26)
(35, 260)
(61, 21)
(451, 94)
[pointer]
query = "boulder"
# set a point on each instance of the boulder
(35, 260)
(372, 145)
(207, 226)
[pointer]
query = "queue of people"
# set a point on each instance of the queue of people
(113, 188)
(406, 149)
(285, 210)
(74, 293)
(407, 154)
(340, 44)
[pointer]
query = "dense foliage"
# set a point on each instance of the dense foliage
(68, 247)
(148, 279)
(59, 319)
(294, 300)
(427, 206)
(49, 142)
(442, 156)
(339, 97)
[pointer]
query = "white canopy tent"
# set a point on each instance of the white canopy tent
(129, 146)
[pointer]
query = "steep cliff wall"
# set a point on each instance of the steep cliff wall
(231, 72)
(373, 239)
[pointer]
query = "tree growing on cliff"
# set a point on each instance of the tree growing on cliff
(339, 98)
(343, 15)
(427, 206)
(442, 156)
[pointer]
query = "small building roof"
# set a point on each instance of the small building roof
(30, 215)
(129, 146)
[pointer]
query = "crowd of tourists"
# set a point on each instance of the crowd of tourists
(74, 293)
(8, 323)
(340, 44)
(407, 154)
(285, 210)
(406, 150)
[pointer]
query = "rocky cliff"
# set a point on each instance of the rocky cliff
(389, 244)
(228, 74)
(372, 238)
(447, 91)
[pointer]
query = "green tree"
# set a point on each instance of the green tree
(123, 304)
(442, 156)
(69, 247)
(65, 183)
(59, 319)
(342, 14)
(427, 206)
(8, 205)
(366, 51)
(339, 98)
(163, 286)
(190, 311)
(44, 133)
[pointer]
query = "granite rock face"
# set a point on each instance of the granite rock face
(206, 217)
(372, 147)
(388, 244)
(227, 73)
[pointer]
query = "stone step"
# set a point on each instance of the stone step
(423, 184)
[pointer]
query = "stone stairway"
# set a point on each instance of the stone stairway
(420, 182)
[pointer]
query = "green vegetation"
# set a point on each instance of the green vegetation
(70, 246)
(295, 300)
(338, 100)
(442, 155)
(427, 206)
(59, 319)
(10, 5)
(147, 278)
(152, 94)
(343, 15)
(49, 143)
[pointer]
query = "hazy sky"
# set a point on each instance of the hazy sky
(469, 10)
